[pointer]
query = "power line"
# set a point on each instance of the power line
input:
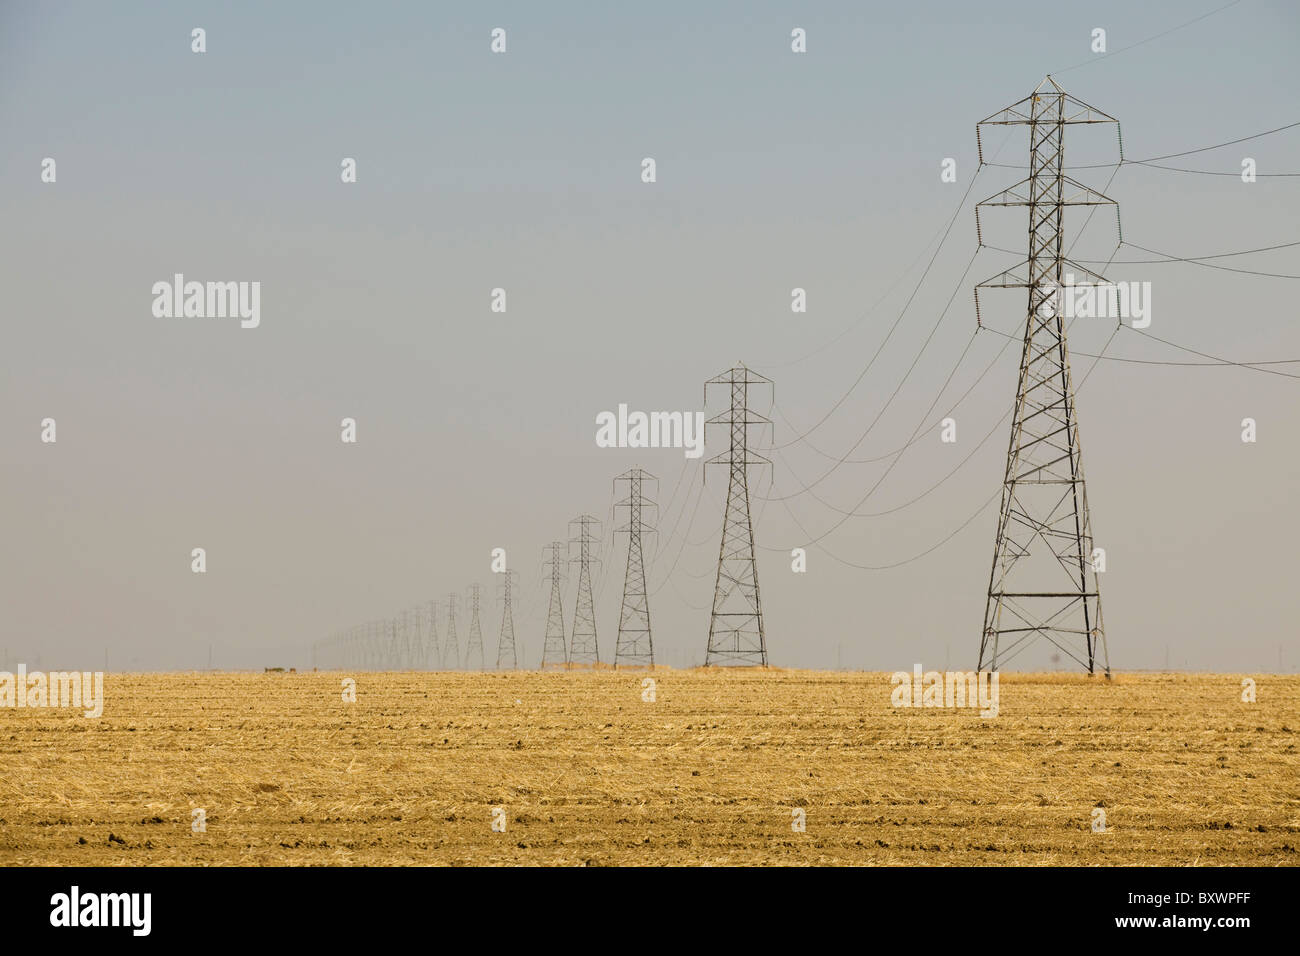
(917, 436)
(908, 444)
(898, 388)
(1168, 258)
(854, 511)
(930, 550)
(816, 540)
(699, 496)
(1256, 367)
(917, 288)
(1209, 172)
(1152, 159)
(1138, 361)
(1105, 56)
(1206, 149)
(1211, 265)
(1191, 260)
(944, 230)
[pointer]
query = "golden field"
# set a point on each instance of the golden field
(586, 772)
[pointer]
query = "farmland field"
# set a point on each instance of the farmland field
(587, 772)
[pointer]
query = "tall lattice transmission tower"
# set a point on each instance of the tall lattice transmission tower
(451, 648)
(415, 621)
(635, 647)
(432, 649)
(555, 652)
(394, 637)
(583, 646)
(736, 633)
(507, 656)
(403, 645)
(475, 642)
(1043, 582)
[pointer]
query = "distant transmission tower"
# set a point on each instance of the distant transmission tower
(392, 644)
(433, 651)
(583, 647)
(736, 626)
(555, 652)
(506, 654)
(451, 649)
(411, 650)
(475, 642)
(1043, 582)
(635, 646)
(403, 641)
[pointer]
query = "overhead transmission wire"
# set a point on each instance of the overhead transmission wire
(1256, 366)
(897, 389)
(807, 487)
(1097, 358)
(1253, 366)
(1211, 172)
(961, 527)
(845, 459)
(951, 408)
(1211, 265)
(846, 515)
(902, 313)
(915, 437)
(1105, 56)
(947, 230)
(1193, 260)
(1151, 161)
(667, 577)
(866, 315)
(711, 571)
(672, 535)
(661, 545)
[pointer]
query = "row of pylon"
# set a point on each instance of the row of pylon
(1043, 583)
(410, 640)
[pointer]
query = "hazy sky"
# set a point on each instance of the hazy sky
(522, 171)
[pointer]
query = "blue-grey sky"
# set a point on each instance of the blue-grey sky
(522, 170)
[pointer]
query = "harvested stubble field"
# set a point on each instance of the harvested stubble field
(589, 773)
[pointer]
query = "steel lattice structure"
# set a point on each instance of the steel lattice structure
(475, 640)
(506, 642)
(432, 649)
(555, 652)
(583, 645)
(634, 647)
(736, 633)
(1043, 582)
(451, 649)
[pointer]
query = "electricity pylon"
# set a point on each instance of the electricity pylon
(451, 649)
(583, 645)
(555, 652)
(475, 642)
(413, 633)
(433, 651)
(736, 625)
(1043, 582)
(399, 641)
(635, 646)
(506, 643)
